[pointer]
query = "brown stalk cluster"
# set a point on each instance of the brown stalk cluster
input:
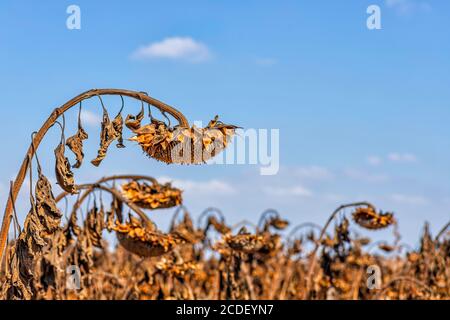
(263, 264)
(193, 261)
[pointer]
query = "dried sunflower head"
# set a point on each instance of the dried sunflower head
(135, 237)
(279, 223)
(244, 241)
(367, 218)
(183, 145)
(220, 227)
(272, 245)
(175, 268)
(386, 247)
(155, 196)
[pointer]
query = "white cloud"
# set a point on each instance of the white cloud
(365, 176)
(89, 118)
(176, 48)
(405, 7)
(296, 190)
(402, 157)
(374, 160)
(209, 187)
(314, 173)
(409, 199)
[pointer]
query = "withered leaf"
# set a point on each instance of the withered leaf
(134, 122)
(118, 127)
(64, 175)
(75, 144)
(111, 130)
(41, 223)
(48, 212)
(95, 225)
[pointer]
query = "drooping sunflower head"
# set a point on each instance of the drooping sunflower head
(244, 242)
(179, 269)
(135, 237)
(368, 218)
(279, 223)
(183, 145)
(152, 196)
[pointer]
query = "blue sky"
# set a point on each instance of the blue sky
(363, 114)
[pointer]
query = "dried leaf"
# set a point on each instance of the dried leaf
(64, 175)
(134, 122)
(110, 131)
(75, 144)
(41, 223)
(118, 127)
(95, 225)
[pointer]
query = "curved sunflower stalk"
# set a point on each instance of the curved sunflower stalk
(138, 236)
(214, 219)
(271, 219)
(212, 140)
(365, 215)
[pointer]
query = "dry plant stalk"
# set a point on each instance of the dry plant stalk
(111, 130)
(262, 265)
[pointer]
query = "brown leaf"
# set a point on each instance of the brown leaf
(134, 122)
(95, 225)
(110, 132)
(64, 175)
(75, 144)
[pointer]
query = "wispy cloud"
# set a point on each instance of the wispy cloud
(374, 160)
(90, 118)
(313, 172)
(402, 157)
(208, 187)
(409, 199)
(174, 48)
(365, 176)
(405, 7)
(397, 157)
(296, 190)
